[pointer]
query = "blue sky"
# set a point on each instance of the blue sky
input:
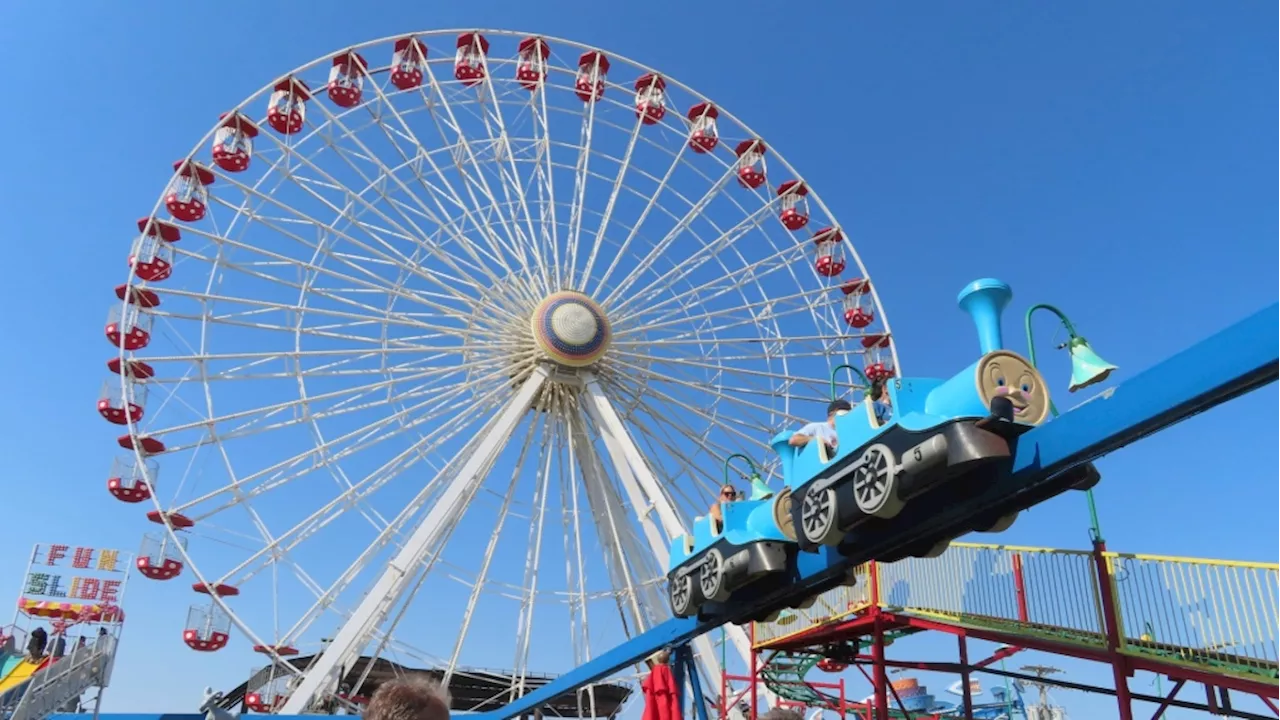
(1115, 161)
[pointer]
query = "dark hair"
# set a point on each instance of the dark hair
(876, 389)
(416, 698)
(780, 713)
(837, 405)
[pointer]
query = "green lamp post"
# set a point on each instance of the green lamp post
(1087, 368)
(865, 383)
(759, 490)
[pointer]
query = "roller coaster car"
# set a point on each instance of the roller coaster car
(708, 566)
(941, 430)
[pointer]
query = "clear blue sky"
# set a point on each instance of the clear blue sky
(1113, 159)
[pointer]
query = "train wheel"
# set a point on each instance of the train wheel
(818, 517)
(875, 483)
(681, 592)
(1004, 522)
(711, 577)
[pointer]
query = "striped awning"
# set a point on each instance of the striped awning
(84, 612)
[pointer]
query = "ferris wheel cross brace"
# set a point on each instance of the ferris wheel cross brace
(1196, 379)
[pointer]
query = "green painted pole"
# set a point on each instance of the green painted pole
(1095, 527)
(836, 371)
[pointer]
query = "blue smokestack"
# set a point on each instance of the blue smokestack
(985, 301)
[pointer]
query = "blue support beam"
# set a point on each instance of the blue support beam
(1235, 361)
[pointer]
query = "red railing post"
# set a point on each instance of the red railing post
(754, 678)
(1020, 588)
(1119, 667)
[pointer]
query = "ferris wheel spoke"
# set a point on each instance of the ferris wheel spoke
(689, 361)
(701, 442)
(276, 261)
(334, 449)
(375, 606)
(385, 172)
(356, 494)
(758, 312)
(706, 250)
(661, 441)
(603, 227)
(623, 555)
(650, 204)
(342, 397)
(533, 559)
(506, 153)
(726, 423)
(476, 178)
(388, 252)
(544, 175)
(482, 574)
(404, 130)
(326, 596)
(581, 175)
(380, 316)
(724, 284)
(313, 187)
(682, 226)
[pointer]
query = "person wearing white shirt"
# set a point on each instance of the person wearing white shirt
(824, 431)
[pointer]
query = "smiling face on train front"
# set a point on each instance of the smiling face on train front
(1007, 374)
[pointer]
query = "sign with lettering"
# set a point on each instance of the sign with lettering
(70, 573)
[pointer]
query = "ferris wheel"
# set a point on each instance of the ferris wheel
(431, 346)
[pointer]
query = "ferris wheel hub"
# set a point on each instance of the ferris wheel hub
(571, 329)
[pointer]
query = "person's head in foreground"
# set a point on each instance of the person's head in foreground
(782, 714)
(409, 699)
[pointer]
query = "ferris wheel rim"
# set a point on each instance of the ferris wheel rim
(134, 428)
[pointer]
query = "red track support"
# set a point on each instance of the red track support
(871, 626)
(755, 673)
(964, 674)
(1167, 700)
(1119, 666)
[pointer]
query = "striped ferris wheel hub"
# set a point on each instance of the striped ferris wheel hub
(571, 329)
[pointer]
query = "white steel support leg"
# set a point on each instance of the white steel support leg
(351, 639)
(623, 556)
(646, 495)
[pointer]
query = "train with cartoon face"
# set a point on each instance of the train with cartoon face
(940, 432)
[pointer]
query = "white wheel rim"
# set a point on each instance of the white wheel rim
(818, 515)
(873, 483)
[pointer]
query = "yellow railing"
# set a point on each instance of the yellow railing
(1198, 612)
(1186, 611)
(833, 605)
(1048, 591)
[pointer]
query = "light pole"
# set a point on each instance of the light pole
(1086, 369)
